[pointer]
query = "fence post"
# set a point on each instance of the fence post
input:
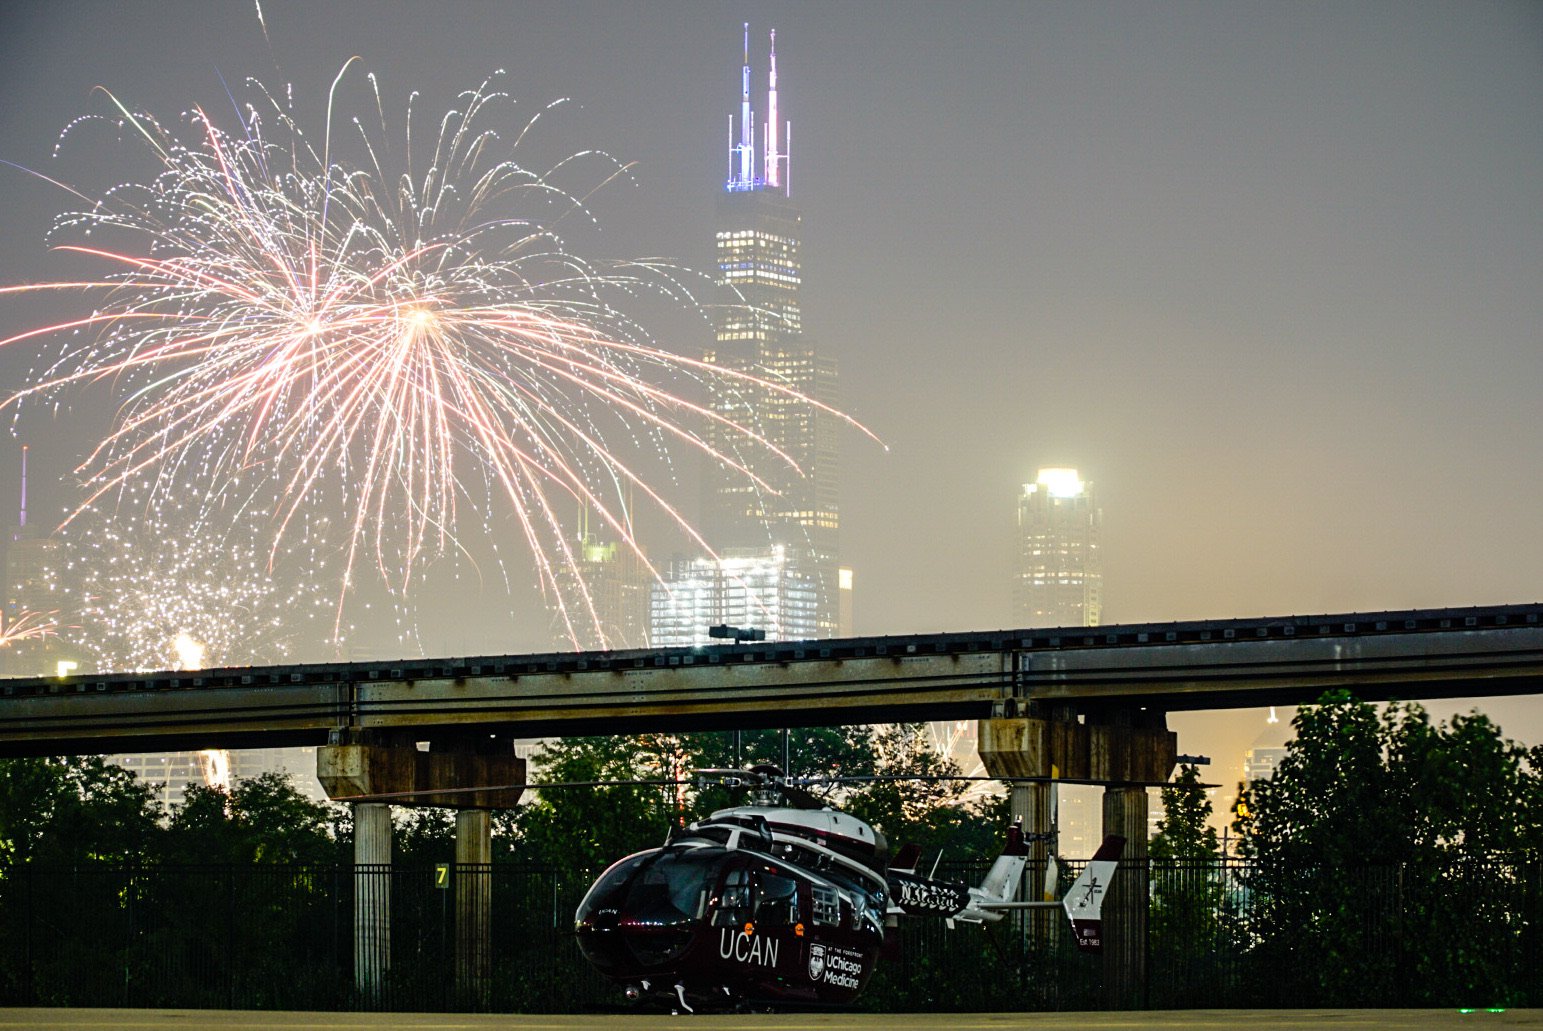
(31, 886)
(230, 936)
(128, 938)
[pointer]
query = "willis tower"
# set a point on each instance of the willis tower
(757, 254)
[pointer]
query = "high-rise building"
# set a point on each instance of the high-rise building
(1058, 579)
(170, 774)
(1261, 763)
(33, 593)
(757, 253)
(760, 588)
(606, 592)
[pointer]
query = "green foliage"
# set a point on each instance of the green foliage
(1382, 851)
(937, 815)
(261, 820)
(1191, 926)
(74, 810)
(581, 831)
(1185, 832)
(835, 751)
(423, 836)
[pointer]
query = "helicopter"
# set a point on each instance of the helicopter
(788, 901)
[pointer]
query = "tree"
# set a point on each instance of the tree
(72, 810)
(1185, 831)
(260, 820)
(1191, 931)
(1381, 853)
(913, 799)
(582, 830)
(832, 751)
(67, 827)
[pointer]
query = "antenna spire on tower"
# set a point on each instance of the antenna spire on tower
(742, 175)
(773, 161)
(23, 520)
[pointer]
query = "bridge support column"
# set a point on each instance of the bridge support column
(1011, 748)
(1033, 805)
(1125, 906)
(1121, 749)
(470, 773)
(372, 901)
(473, 902)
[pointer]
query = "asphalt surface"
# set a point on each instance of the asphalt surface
(1208, 1020)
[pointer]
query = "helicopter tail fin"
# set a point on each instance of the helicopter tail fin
(1084, 903)
(907, 858)
(1002, 880)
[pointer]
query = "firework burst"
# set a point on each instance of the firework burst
(158, 592)
(386, 334)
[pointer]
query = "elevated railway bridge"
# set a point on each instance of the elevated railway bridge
(1093, 674)
(1083, 705)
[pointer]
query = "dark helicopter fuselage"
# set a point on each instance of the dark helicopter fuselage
(751, 904)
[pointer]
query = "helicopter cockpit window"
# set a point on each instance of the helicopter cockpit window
(734, 902)
(670, 891)
(777, 900)
(608, 891)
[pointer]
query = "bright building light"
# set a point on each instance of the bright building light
(1061, 483)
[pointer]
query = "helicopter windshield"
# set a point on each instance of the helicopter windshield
(671, 890)
(603, 901)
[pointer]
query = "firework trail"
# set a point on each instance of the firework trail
(28, 626)
(385, 334)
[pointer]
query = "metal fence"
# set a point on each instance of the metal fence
(499, 938)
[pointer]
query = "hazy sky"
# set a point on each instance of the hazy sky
(1270, 275)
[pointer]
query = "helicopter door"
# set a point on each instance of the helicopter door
(734, 899)
(776, 902)
(761, 897)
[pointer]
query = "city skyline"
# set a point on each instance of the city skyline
(1268, 275)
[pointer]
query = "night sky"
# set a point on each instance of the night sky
(1270, 275)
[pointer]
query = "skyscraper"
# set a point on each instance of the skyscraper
(1058, 579)
(32, 568)
(756, 587)
(756, 250)
(606, 593)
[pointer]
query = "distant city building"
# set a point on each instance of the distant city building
(846, 613)
(170, 774)
(33, 593)
(1058, 579)
(750, 588)
(611, 609)
(1079, 820)
(1260, 763)
(757, 252)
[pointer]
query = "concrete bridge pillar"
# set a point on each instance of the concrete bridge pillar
(473, 902)
(1117, 748)
(470, 773)
(372, 901)
(1125, 907)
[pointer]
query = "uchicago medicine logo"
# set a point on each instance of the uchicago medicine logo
(816, 961)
